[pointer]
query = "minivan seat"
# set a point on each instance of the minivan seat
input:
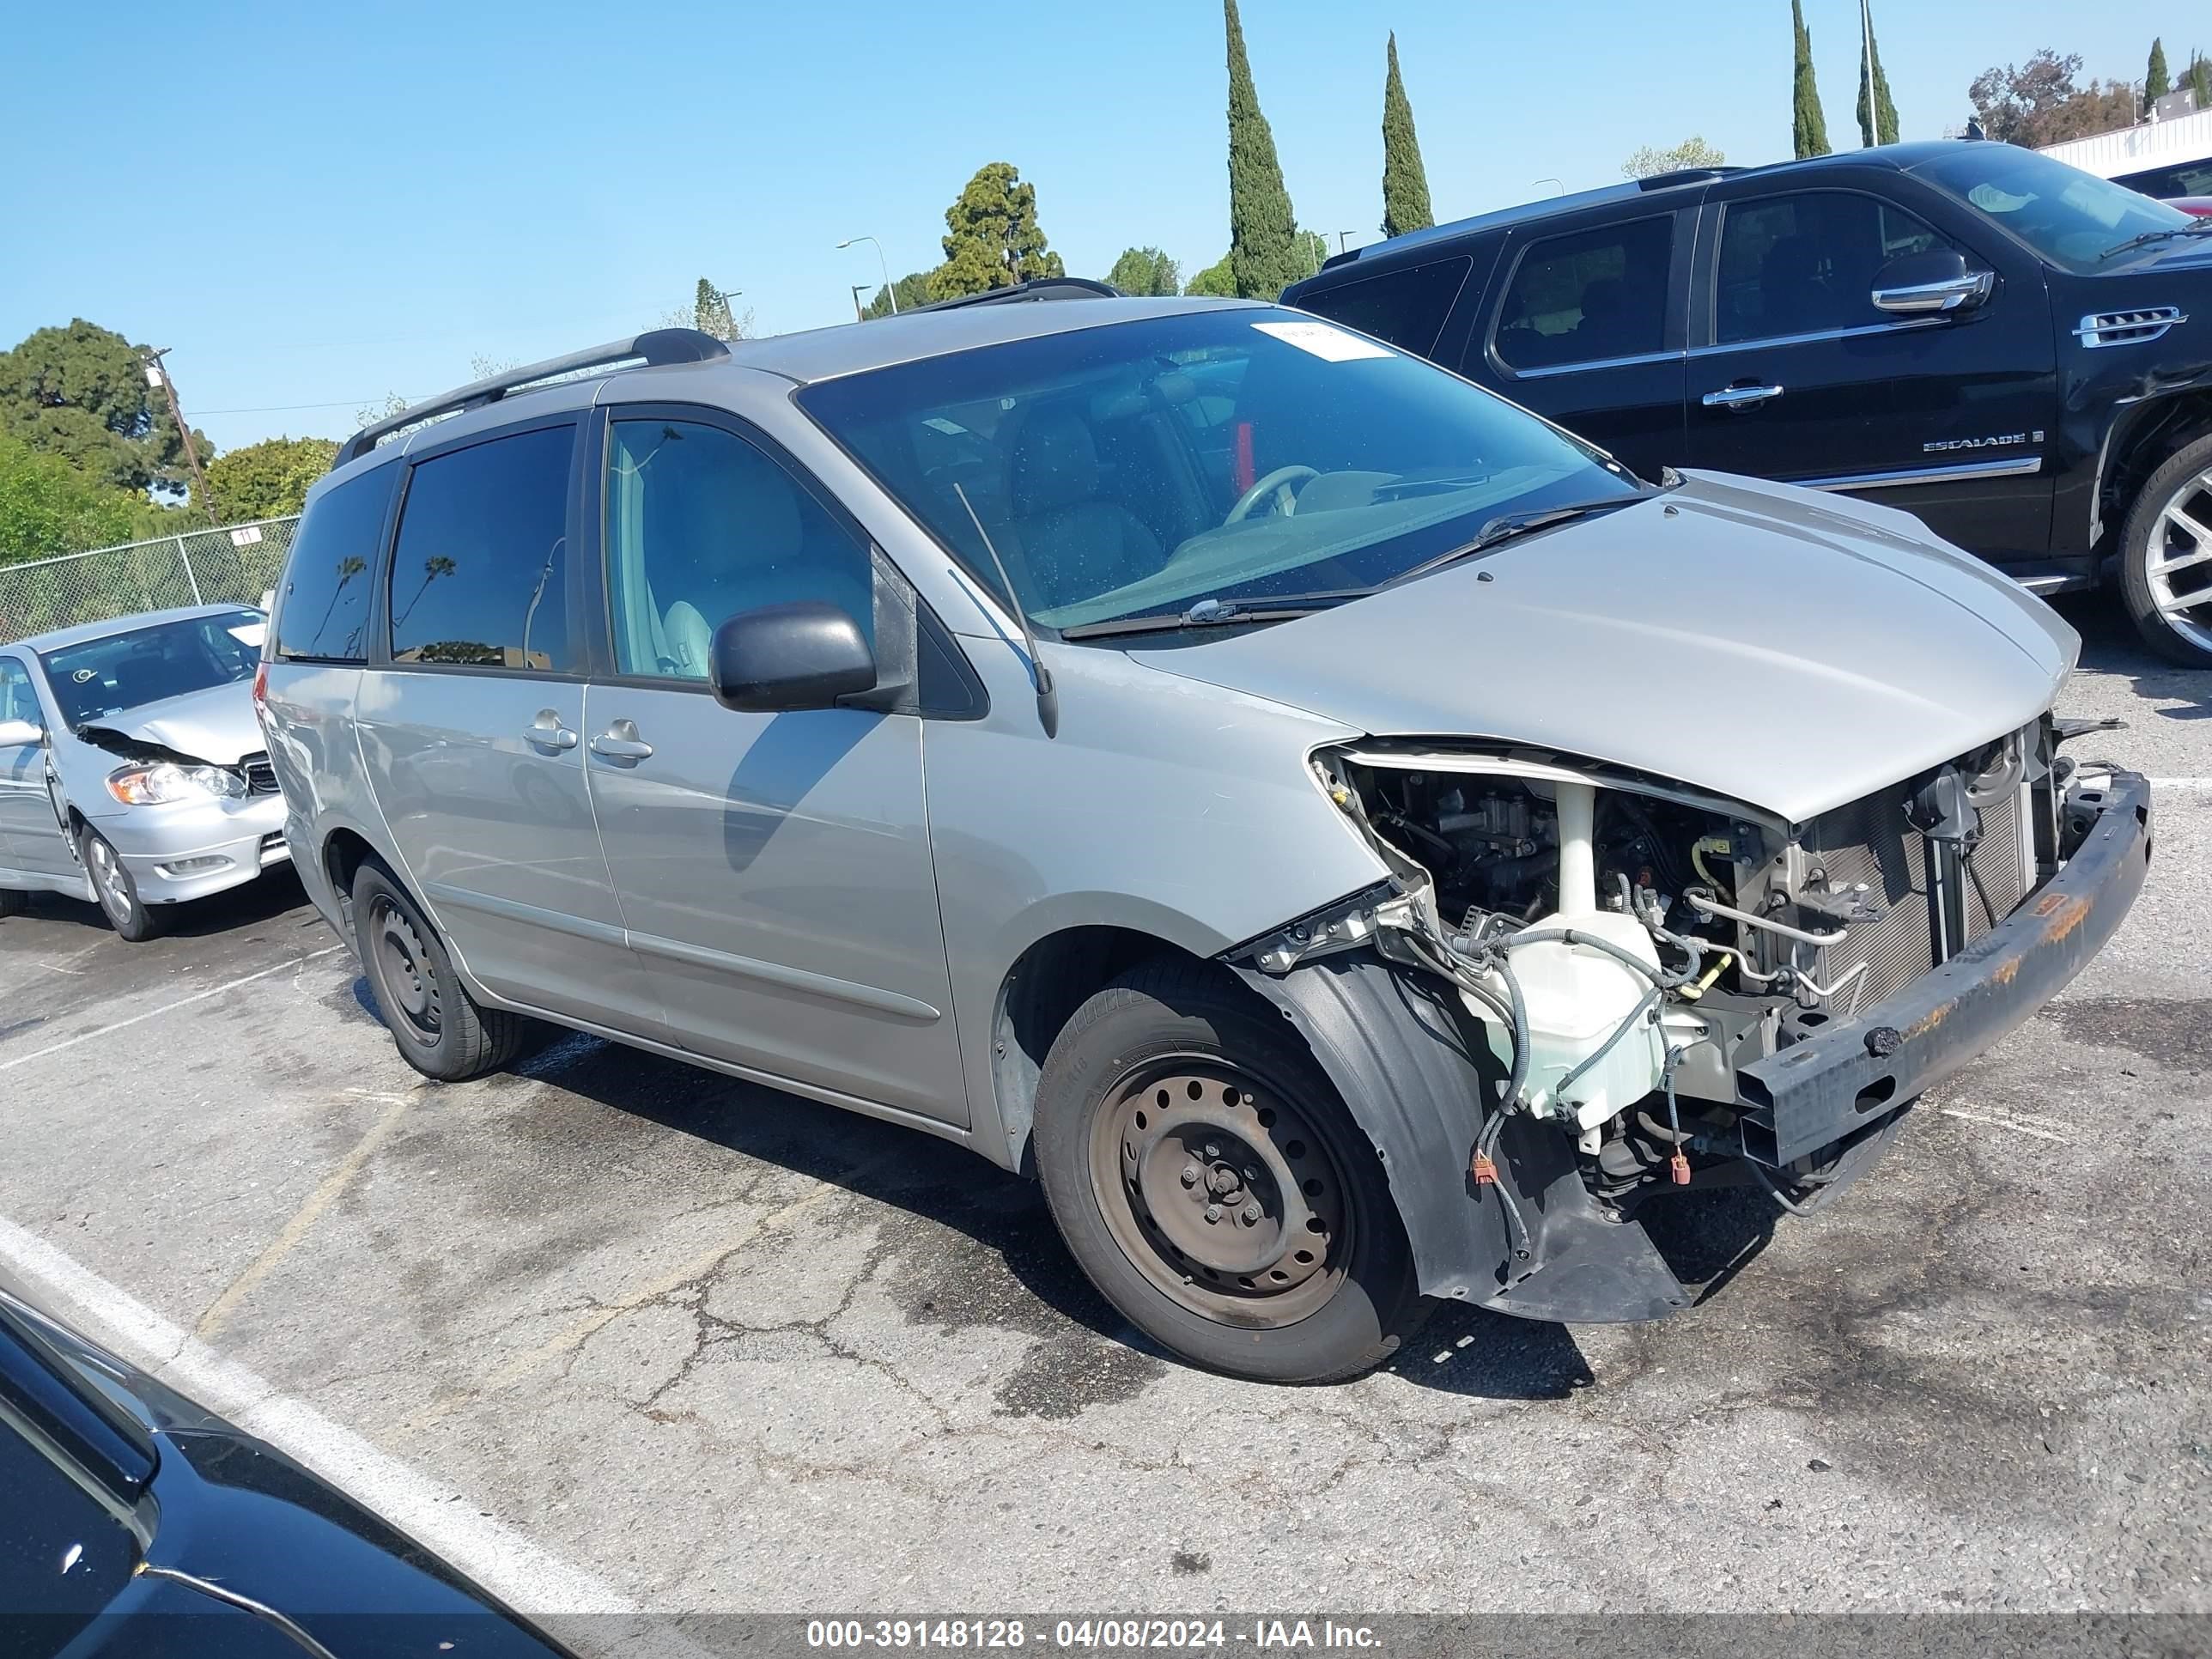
(1074, 542)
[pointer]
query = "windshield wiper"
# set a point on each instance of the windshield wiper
(1215, 613)
(1503, 528)
(2150, 236)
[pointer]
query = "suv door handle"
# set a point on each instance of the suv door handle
(1740, 397)
(620, 742)
(547, 732)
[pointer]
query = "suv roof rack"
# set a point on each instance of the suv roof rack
(1675, 176)
(1037, 287)
(654, 348)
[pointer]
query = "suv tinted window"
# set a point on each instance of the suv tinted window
(1406, 308)
(1806, 263)
(701, 527)
(478, 570)
(323, 612)
(1596, 295)
(2189, 178)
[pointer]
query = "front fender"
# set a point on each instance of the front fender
(1414, 1070)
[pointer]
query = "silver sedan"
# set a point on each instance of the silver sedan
(132, 767)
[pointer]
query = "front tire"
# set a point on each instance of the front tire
(2166, 557)
(439, 1028)
(112, 886)
(1209, 1180)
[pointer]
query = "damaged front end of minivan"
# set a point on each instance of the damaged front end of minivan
(1583, 988)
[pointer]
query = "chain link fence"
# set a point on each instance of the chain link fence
(235, 564)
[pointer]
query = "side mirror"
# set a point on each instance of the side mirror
(807, 654)
(1934, 281)
(14, 735)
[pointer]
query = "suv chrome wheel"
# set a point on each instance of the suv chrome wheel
(2177, 564)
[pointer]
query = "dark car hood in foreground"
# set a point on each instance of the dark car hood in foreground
(238, 1516)
(1792, 650)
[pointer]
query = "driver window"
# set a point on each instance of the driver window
(1806, 263)
(17, 700)
(703, 526)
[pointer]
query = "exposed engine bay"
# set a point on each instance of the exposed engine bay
(1626, 945)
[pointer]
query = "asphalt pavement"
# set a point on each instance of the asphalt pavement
(620, 1334)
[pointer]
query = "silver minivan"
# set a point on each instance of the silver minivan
(1353, 842)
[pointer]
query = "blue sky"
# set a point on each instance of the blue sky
(322, 204)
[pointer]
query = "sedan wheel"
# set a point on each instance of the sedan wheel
(117, 893)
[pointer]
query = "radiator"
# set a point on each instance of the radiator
(1871, 842)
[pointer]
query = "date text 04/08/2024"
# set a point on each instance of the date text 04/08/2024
(1108, 1634)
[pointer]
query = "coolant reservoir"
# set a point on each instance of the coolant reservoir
(1577, 997)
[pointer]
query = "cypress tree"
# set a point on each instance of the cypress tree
(2157, 83)
(2200, 79)
(1808, 128)
(1405, 180)
(1262, 229)
(1881, 127)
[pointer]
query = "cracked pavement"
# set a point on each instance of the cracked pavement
(729, 1350)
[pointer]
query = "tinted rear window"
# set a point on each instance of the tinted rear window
(478, 567)
(323, 612)
(1406, 308)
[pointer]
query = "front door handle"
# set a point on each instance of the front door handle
(620, 742)
(1740, 397)
(546, 731)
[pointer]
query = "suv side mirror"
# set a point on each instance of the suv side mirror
(17, 733)
(1934, 281)
(807, 654)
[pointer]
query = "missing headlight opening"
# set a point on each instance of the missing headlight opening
(1628, 945)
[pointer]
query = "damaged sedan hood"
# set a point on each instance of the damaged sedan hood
(1789, 650)
(216, 726)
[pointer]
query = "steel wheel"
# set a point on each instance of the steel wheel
(1220, 1192)
(2181, 542)
(406, 978)
(110, 882)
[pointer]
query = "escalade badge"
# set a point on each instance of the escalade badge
(1941, 445)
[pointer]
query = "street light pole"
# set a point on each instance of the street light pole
(859, 315)
(157, 375)
(882, 265)
(1340, 235)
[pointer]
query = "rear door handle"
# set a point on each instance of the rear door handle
(1740, 397)
(620, 742)
(547, 732)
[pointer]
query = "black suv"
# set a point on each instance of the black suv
(1986, 338)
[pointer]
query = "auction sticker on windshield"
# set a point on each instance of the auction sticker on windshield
(1330, 344)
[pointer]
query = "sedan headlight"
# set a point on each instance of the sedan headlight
(158, 785)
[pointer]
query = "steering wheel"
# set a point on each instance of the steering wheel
(1280, 483)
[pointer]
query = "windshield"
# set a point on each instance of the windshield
(2071, 217)
(1237, 454)
(95, 679)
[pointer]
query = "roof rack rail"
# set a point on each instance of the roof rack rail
(1683, 176)
(1037, 287)
(655, 349)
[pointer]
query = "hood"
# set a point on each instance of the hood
(1792, 650)
(217, 725)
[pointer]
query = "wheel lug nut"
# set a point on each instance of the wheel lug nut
(1251, 1177)
(1190, 1174)
(1213, 1150)
(1214, 1212)
(1251, 1215)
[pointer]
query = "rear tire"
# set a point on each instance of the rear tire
(2171, 521)
(1210, 1181)
(13, 904)
(114, 888)
(439, 1028)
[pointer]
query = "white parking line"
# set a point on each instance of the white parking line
(14, 1060)
(1998, 1121)
(524, 1574)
